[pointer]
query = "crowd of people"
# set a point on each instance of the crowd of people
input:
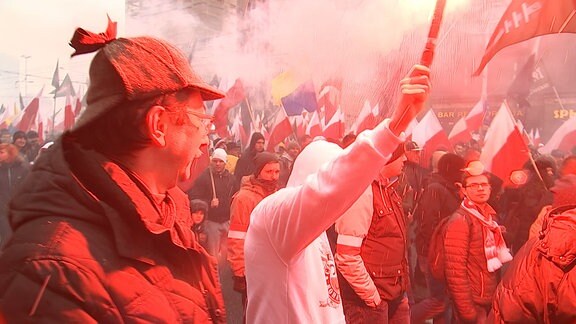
(96, 229)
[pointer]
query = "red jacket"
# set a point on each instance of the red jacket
(468, 280)
(243, 202)
(89, 246)
(540, 284)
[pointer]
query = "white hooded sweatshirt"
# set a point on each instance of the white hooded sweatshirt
(290, 270)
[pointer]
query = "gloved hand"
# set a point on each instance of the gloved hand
(240, 284)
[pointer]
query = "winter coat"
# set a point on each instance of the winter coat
(540, 284)
(467, 277)
(90, 246)
(286, 163)
(440, 199)
(371, 250)
(243, 203)
(11, 175)
(522, 206)
(225, 184)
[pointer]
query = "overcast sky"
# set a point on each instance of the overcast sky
(40, 30)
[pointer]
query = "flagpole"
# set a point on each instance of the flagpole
(54, 115)
(428, 53)
(250, 110)
(540, 62)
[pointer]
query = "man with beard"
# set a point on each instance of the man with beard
(254, 188)
(101, 231)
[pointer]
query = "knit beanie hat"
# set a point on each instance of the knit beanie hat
(263, 158)
(198, 205)
(132, 69)
(436, 155)
(450, 167)
(564, 191)
(220, 154)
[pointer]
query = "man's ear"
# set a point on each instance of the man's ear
(157, 125)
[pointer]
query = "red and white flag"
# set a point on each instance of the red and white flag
(524, 19)
(564, 138)
(280, 128)
(68, 114)
(237, 130)
(410, 129)
(459, 133)
(365, 120)
(536, 138)
(329, 98)
(234, 96)
(27, 119)
(430, 136)
(475, 116)
(504, 148)
(314, 127)
(300, 123)
(335, 127)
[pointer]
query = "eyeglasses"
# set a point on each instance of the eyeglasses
(477, 186)
(205, 119)
(201, 120)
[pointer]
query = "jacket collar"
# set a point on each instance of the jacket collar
(137, 223)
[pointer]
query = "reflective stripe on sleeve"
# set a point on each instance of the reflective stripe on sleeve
(237, 235)
(350, 240)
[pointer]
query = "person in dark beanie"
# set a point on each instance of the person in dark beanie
(254, 188)
(198, 210)
(440, 199)
(101, 230)
(245, 165)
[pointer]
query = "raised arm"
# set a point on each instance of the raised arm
(296, 216)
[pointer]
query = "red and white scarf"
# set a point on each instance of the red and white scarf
(494, 245)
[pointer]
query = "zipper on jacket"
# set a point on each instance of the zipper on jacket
(481, 284)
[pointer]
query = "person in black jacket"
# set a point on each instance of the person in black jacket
(216, 186)
(440, 199)
(245, 165)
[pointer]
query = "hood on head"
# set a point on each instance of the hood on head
(311, 159)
